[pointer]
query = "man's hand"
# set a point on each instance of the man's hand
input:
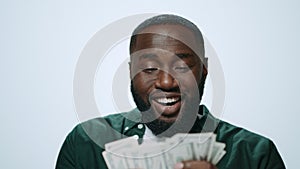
(194, 165)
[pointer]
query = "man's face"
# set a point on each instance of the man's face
(167, 75)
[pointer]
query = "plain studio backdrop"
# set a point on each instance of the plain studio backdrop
(257, 43)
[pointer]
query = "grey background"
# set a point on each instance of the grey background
(256, 41)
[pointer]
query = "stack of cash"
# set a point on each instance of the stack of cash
(163, 153)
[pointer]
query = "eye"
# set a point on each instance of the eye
(182, 69)
(150, 70)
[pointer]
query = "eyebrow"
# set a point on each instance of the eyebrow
(183, 55)
(154, 56)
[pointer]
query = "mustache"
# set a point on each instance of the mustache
(157, 93)
(173, 89)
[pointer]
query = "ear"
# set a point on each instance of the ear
(205, 62)
(204, 70)
(130, 72)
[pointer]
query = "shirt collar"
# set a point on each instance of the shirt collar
(205, 122)
(132, 124)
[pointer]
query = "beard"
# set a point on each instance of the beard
(184, 122)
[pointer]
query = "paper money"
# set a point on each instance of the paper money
(127, 153)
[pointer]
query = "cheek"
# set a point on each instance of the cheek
(142, 83)
(190, 80)
(187, 84)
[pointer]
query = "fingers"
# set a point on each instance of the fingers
(179, 165)
(194, 165)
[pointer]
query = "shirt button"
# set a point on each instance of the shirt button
(140, 126)
(126, 128)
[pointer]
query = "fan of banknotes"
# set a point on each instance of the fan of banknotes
(163, 153)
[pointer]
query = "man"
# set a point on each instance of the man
(168, 69)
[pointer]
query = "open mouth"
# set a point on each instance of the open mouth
(167, 106)
(167, 101)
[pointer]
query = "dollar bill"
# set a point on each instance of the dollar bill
(165, 153)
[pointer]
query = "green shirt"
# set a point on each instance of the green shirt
(83, 147)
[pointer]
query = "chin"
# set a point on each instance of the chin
(169, 120)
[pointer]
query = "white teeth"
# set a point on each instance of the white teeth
(167, 100)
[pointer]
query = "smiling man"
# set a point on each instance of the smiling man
(168, 69)
(167, 77)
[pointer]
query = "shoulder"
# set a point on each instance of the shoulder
(86, 142)
(227, 132)
(99, 130)
(243, 142)
(239, 135)
(234, 136)
(246, 148)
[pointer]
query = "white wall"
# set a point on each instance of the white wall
(257, 44)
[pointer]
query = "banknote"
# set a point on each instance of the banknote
(163, 154)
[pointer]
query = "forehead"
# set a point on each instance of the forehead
(168, 36)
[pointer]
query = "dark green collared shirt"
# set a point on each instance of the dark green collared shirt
(83, 147)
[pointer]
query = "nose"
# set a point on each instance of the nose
(165, 81)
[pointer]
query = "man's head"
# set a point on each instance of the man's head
(167, 71)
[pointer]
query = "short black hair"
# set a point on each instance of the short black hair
(168, 19)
